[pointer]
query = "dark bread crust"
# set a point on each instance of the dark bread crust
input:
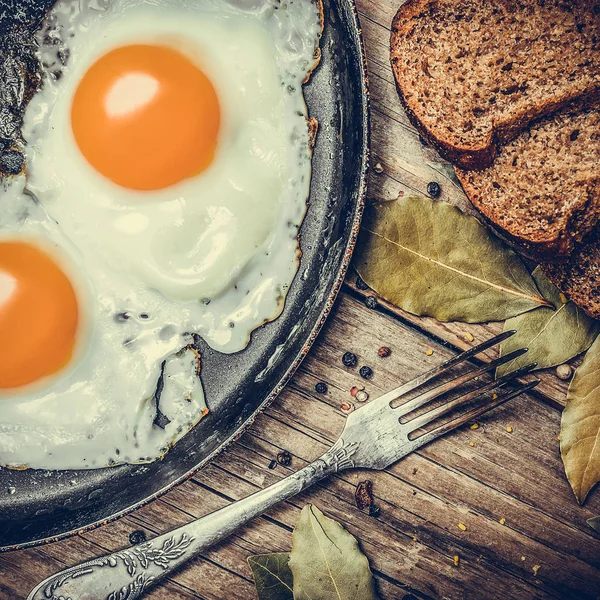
(468, 158)
(476, 153)
(579, 278)
(537, 252)
(557, 249)
(543, 191)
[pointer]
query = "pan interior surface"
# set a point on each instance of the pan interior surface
(37, 505)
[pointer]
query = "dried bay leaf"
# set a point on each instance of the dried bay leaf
(552, 336)
(272, 576)
(580, 426)
(326, 561)
(431, 259)
(594, 523)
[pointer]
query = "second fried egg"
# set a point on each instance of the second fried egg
(168, 165)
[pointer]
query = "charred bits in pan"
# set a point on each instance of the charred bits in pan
(20, 77)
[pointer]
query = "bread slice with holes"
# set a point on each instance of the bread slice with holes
(472, 75)
(579, 277)
(543, 190)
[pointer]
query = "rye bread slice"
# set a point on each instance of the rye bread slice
(579, 278)
(473, 74)
(543, 190)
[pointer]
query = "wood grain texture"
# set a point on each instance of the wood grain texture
(509, 489)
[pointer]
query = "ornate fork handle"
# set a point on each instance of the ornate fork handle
(127, 574)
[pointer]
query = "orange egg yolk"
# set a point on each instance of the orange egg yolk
(38, 315)
(146, 117)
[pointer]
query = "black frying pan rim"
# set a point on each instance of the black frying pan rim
(342, 270)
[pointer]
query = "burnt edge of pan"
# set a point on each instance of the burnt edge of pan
(349, 10)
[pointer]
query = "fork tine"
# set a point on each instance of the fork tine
(445, 366)
(470, 415)
(430, 395)
(431, 415)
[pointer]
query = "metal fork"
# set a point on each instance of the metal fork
(374, 437)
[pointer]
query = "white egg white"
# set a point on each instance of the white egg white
(229, 235)
(102, 408)
(139, 264)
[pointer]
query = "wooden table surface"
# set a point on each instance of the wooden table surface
(526, 537)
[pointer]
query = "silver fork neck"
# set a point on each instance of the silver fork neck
(130, 572)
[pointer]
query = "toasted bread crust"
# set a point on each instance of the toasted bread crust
(547, 251)
(478, 152)
(543, 191)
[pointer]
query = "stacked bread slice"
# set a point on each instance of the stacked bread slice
(509, 92)
(543, 189)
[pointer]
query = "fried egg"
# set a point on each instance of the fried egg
(168, 168)
(78, 378)
(175, 143)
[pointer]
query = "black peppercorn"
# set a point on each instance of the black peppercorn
(366, 372)
(321, 388)
(137, 537)
(360, 284)
(371, 302)
(434, 189)
(349, 359)
(284, 458)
